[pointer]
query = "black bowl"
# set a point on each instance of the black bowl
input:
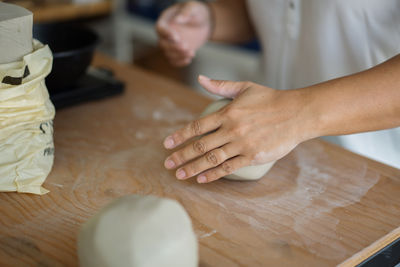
(72, 49)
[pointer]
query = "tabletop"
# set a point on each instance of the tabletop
(317, 206)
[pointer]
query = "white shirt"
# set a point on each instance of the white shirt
(310, 41)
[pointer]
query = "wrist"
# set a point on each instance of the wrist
(325, 118)
(309, 117)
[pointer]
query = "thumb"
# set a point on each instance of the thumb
(184, 14)
(223, 88)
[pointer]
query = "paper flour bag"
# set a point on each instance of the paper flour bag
(26, 122)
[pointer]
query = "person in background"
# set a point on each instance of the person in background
(340, 59)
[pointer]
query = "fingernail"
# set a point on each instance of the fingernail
(169, 142)
(180, 174)
(204, 78)
(201, 179)
(169, 164)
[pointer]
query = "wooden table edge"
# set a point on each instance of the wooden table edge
(369, 251)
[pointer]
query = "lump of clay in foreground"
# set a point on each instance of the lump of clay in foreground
(138, 231)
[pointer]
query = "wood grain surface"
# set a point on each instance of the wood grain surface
(316, 207)
(372, 249)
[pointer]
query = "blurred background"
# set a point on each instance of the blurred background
(127, 33)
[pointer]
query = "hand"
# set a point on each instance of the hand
(183, 29)
(259, 126)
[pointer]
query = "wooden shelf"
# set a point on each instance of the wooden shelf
(56, 12)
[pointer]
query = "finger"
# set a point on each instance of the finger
(184, 14)
(167, 32)
(163, 27)
(195, 128)
(196, 149)
(175, 49)
(227, 89)
(210, 160)
(181, 62)
(224, 169)
(178, 60)
(169, 14)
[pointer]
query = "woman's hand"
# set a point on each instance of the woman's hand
(259, 126)
(183, 28)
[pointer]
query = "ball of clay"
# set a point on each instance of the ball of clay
(15, 32)
(138, 231)
(245, 173)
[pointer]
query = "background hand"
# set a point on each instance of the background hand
(183, 28)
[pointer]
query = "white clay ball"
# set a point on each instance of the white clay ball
(15, 32)
(246, 173)
(138, 231)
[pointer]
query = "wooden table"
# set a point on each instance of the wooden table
(316, 207)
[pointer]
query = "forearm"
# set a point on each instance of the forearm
(231, 22)
(366, 101)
